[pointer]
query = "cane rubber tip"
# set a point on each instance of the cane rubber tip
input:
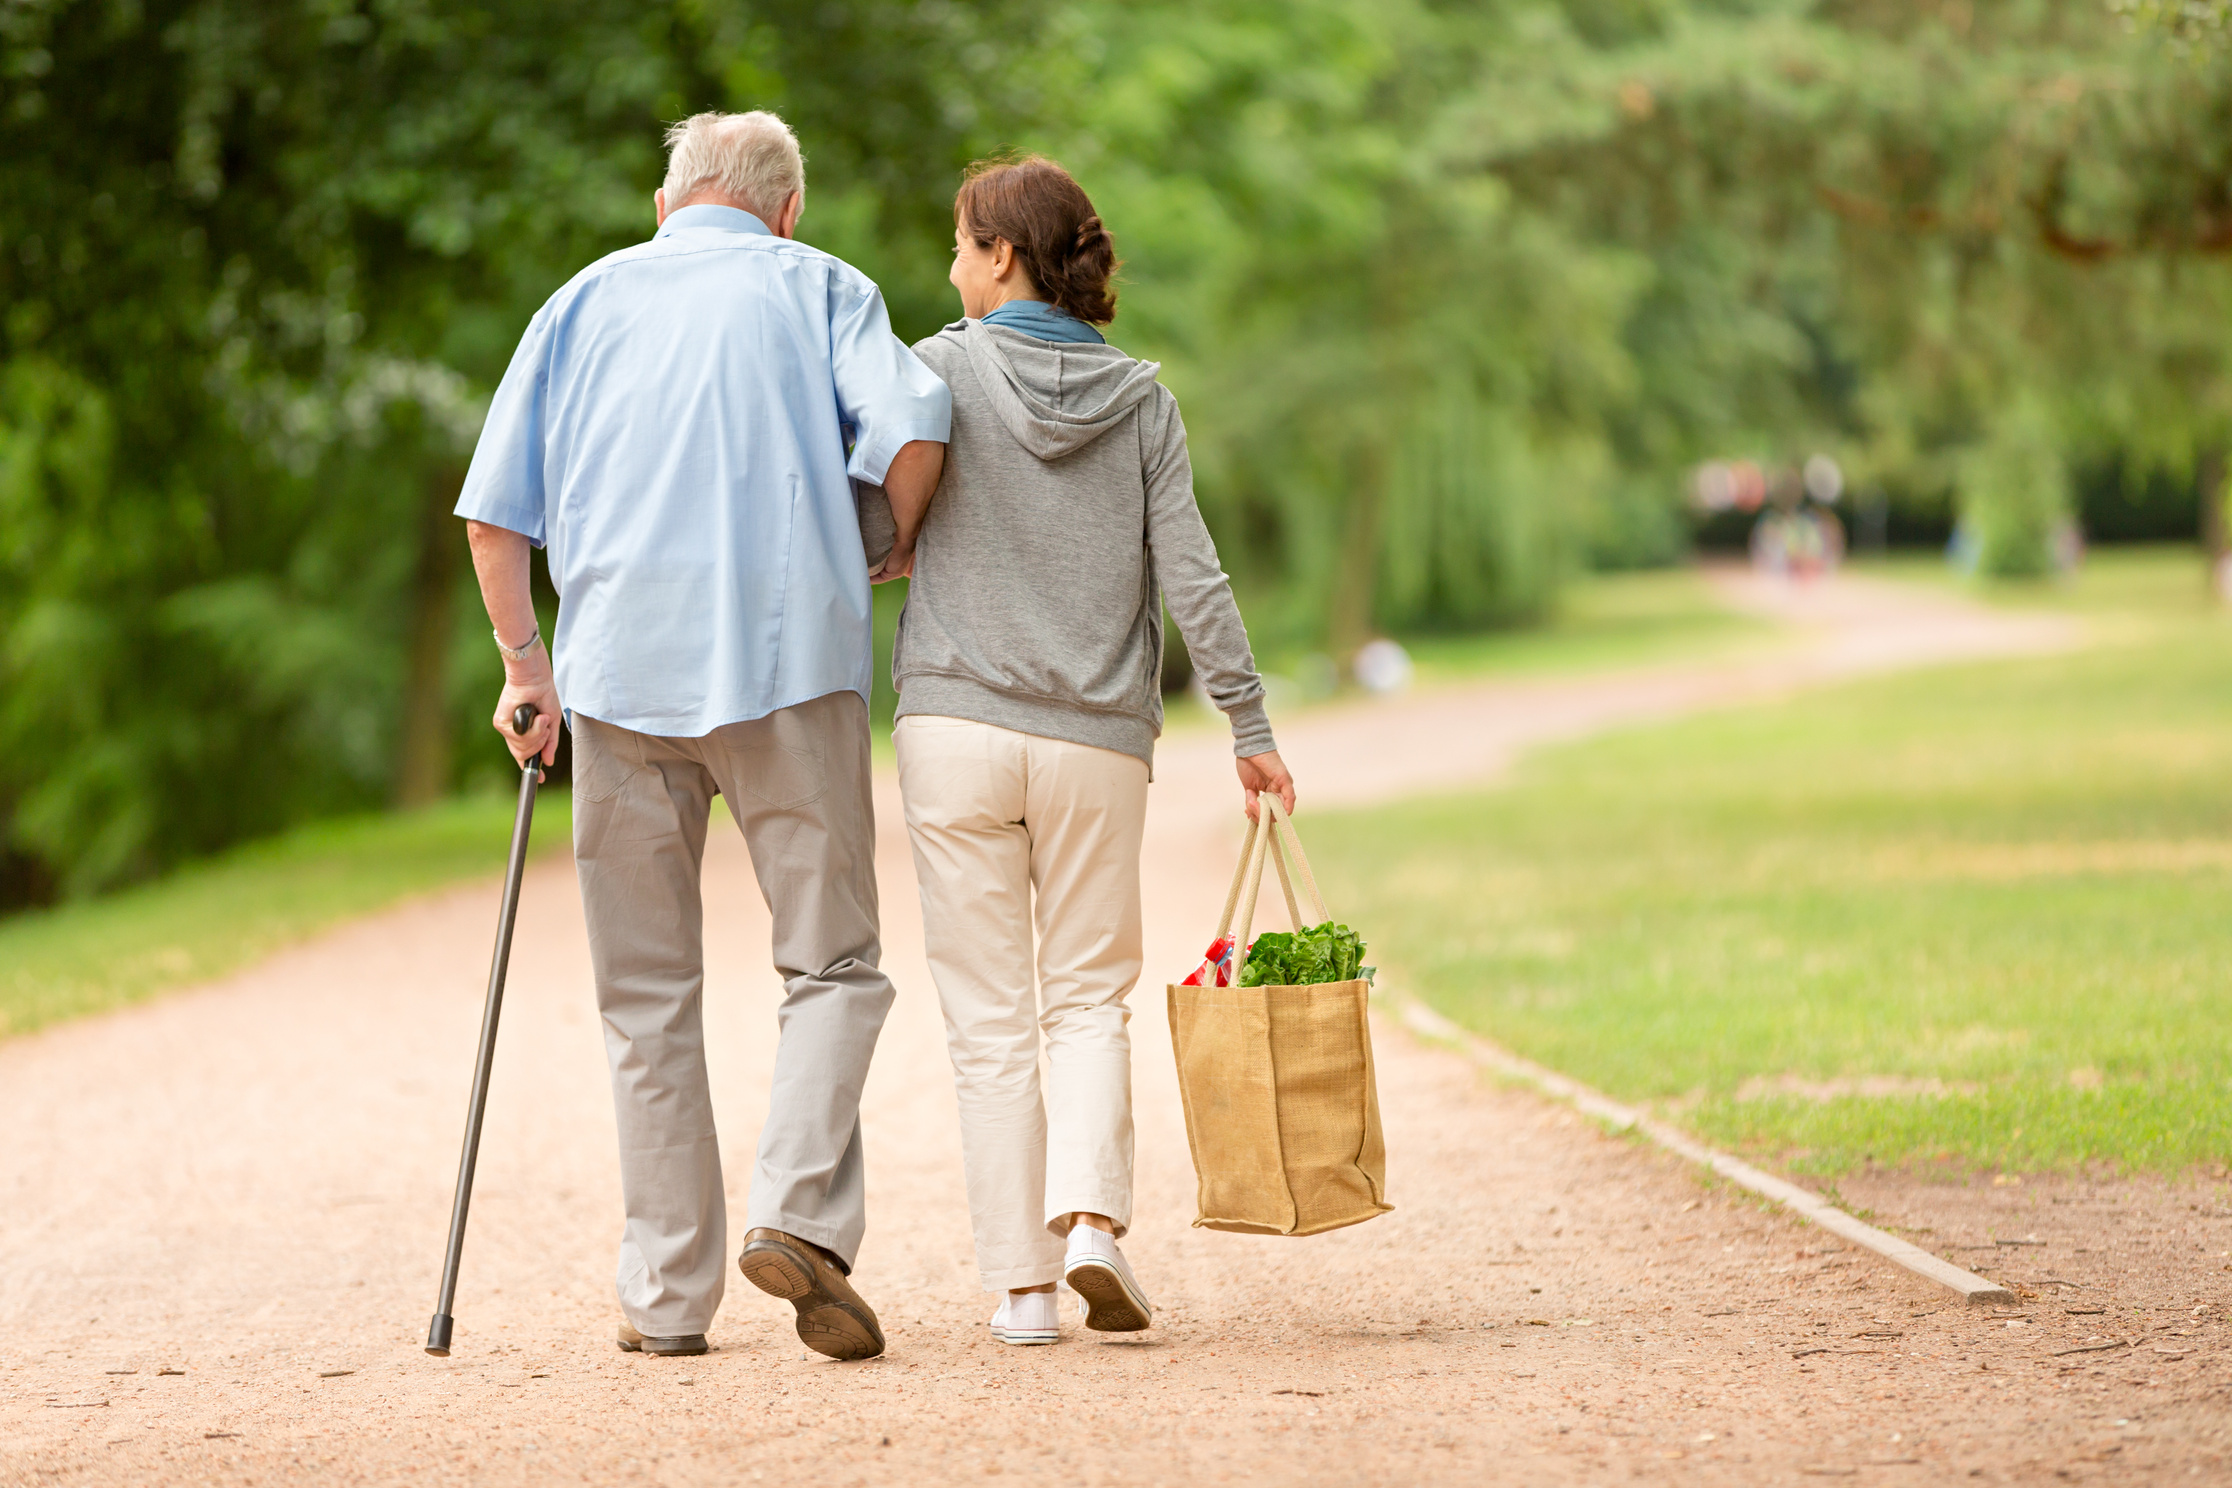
(438, 1336)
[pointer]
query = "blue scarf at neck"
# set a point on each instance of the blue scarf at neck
(1037, 318)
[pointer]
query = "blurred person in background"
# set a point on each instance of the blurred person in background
(1028, 665)
(675, 426)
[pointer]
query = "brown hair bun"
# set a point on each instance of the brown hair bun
(1050, 223)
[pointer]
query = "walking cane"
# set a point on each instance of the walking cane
(438, 1335)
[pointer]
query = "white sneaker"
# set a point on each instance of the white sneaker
(1027, 1318)
(1106, 1289)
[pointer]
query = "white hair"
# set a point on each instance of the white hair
(750, 158)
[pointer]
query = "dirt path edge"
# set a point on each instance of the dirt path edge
(1432, 1026)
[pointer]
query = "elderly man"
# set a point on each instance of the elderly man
(675, 426)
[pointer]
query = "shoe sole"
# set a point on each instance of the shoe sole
(661, 1353)
(1027, 1336)
(827, 1324)
(1110, 1306)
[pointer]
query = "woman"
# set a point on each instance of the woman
(1029, 666)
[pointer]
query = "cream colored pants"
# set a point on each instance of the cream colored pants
(1011, 829)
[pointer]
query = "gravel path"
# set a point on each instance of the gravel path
(221, 1216)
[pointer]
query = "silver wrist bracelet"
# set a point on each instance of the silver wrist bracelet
(518, 653)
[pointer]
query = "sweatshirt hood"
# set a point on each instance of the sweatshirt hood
(1054, 397)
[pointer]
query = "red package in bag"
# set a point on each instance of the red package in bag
(1215, 969)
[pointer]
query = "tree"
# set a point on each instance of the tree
(1394, 381)
(1452, 295)
(1887, 228)
(256, 286)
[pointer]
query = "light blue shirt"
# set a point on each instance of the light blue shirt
(674, 426)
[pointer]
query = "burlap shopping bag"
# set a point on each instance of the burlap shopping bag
(1281, 1109)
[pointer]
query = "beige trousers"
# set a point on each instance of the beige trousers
(797, 783)
(1009, 829)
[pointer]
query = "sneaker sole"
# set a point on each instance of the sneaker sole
(827, 1324)
(686, 1351)
(1110, 1306)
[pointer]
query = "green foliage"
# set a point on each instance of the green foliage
(1875, 228)
(1453, 296)
(259, 265)
(1967, 914)
(2206, 21)
(2016, 493)
(1303, 958)
(1394, 382)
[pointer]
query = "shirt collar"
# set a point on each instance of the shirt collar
(716, 217)
(1041, 321)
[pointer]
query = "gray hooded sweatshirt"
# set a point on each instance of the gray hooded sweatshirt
(1064, 521)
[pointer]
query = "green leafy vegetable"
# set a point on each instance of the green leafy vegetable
(1299, 958)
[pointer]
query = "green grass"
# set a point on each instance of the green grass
(1603, 622)
(2141, 584)
(1993, 894)
(222, 914)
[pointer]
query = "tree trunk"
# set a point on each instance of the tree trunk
(1350, 607)
(2208, 475)
(422, 773)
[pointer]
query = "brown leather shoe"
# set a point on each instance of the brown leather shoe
(632, 1342)
(832, 1319)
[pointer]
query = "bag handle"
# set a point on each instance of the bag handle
(1274, 830)
(1248, 850)
(1292, 842)
(1252, 866)
(1239, 876)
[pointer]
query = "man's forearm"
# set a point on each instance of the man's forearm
(910, 483)
(501, 559)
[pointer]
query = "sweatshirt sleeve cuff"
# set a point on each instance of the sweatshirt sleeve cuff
(1251, 730)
